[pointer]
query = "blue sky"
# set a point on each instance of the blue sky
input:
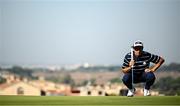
(61, 32)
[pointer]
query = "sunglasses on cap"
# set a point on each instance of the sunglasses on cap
(138, 48)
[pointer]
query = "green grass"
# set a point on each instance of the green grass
(88, 101)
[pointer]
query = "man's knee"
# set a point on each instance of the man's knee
(126, 78)
(150, 76)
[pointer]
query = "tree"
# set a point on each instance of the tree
(2, 80)
(68, 80)
(21, 71)
(116, 80)
(168, 86)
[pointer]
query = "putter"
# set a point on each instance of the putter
(132, 57)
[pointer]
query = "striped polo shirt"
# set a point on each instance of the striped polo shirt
(141, 62)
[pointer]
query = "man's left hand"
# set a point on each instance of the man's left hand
(148, 70)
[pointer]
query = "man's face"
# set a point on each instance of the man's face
(138, 50)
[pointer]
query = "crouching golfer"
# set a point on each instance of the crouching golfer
(137, 70)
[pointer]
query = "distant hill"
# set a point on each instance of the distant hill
(22, 72)
(98, 68)
(170, 67)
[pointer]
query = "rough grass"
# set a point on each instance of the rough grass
(88, 101)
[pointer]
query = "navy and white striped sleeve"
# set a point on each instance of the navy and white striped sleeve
(126, 61)
(154, 58)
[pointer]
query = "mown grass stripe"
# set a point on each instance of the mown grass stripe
(95, 100)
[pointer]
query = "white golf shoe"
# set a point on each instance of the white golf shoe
(146, 92)
(130, 93)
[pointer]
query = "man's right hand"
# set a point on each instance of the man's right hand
(127, 69)
(131, 63)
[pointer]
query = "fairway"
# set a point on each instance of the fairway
(88, 101)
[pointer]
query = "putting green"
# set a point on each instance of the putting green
(89, 100)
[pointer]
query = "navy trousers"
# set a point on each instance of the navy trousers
(146, 77)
